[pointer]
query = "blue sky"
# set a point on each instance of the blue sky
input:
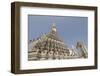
(70, 29)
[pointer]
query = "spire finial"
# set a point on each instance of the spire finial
(54, 24)
(53, 27)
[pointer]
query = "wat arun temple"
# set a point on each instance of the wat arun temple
(50, 46)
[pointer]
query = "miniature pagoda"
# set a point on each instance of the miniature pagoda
(50, 46)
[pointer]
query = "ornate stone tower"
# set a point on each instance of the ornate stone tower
(49, 46)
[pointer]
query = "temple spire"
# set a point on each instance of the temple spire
(50, 46)
(53, 28)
